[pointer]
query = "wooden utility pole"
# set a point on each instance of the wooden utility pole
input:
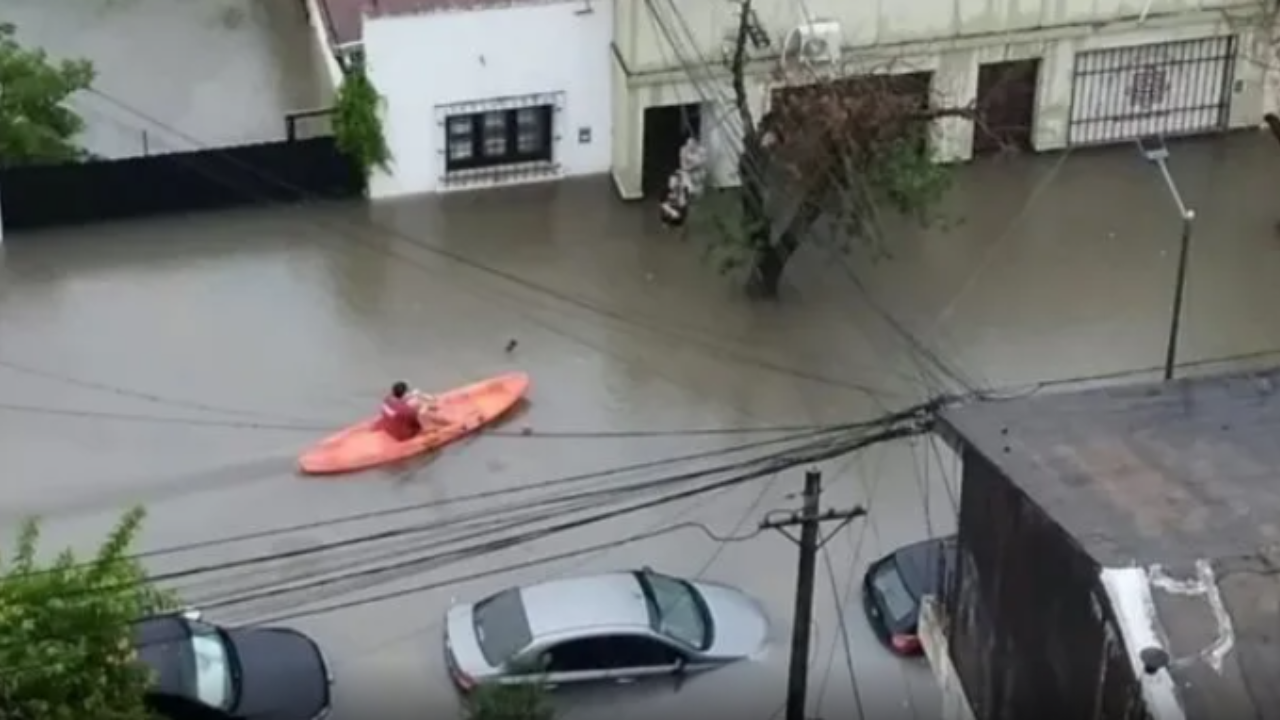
(810, 518)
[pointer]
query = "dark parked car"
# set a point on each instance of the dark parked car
(894, 584)
(202, 671)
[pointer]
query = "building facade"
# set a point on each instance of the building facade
(1115, 554)
(1044, 75)
(483, 94)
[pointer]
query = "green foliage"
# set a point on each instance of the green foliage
(492, 701)
(905, 177)
(830, 160)
(357, 122)
(35, 124)
(66, 647)
(717, 220)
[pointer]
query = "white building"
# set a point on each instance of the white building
(1069, 73)
(480, 94)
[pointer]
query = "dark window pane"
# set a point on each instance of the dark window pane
(502, 628)
(893, 592)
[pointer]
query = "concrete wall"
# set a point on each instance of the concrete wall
(643, 26)
(328, 72)
(955, 64)
(422, 63)
(933, 637)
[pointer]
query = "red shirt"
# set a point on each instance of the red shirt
(399, 419)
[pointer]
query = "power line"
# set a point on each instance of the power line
(24, 369)
(427, 587)
(840, 600)
(529, 433)
(695, 336)
(502, 492)
(458, 580)
(821, 448)
(504, 543)
(1037, 386)
(496, 545)
(815, 439)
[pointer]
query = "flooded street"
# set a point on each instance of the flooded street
(185, 363)
(233, 69)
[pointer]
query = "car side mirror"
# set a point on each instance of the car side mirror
(679, 667)
(192, 615)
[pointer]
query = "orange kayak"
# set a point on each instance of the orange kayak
(463, 411)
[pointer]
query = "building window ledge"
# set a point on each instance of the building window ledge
(502, 174)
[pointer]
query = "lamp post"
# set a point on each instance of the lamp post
(1156, 152)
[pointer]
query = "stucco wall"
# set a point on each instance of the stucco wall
(424, 61)
(955, 66)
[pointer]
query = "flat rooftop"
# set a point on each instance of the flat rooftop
(1180, 484)
(345, 17)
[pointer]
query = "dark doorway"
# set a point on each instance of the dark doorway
(1006, 106)
(665, 130)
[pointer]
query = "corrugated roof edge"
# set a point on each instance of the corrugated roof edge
(397, 8)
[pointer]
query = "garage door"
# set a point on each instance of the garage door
(1164, 89)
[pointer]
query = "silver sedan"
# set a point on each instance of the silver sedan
(618, 626)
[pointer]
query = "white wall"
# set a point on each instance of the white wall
(330, 71)
(420, 62)
(701, 27)
(955, 66)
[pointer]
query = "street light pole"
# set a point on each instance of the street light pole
(1158, 154)
(1179, 290)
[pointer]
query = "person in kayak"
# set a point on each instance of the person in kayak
(405, 412)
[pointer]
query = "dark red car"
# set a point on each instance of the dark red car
(894, 584)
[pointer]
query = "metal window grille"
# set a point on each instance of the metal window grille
(1162, 89)
(500, 139)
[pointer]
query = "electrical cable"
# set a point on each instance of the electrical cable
(439, 525)
(497, 545)
(667, 520)
(663, 481)
(844, 635)
(317, 427)
(426, 587)
(24, 369)
(501, 492)
(869, 491)
(583, 504)
(699, 337)
(913, 343)
(1034, 387)
(776, 466)
(456, 555)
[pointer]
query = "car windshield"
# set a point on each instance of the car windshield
(215, 678)
(675, 610)
(502, 628)
(893, 592)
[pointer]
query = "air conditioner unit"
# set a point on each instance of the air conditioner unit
(814, 43)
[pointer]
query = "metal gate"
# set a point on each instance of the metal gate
(1162, 89)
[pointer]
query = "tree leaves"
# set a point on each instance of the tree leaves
(829, 158)
(357, 124)
(36, 126)
(66, 630)
(493, 701)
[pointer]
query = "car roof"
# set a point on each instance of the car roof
(161, 642)
(559, 607)
(923, 564)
